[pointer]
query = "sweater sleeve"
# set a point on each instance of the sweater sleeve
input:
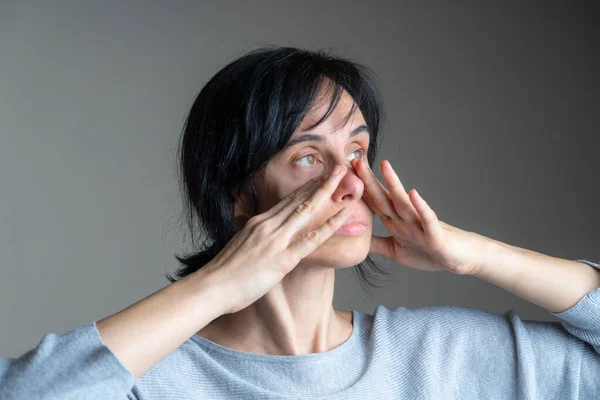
(583, 319)
(564, 355)
(469, 353)
(76, 365)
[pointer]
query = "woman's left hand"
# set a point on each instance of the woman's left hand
(419, 239)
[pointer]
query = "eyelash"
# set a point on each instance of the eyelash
(362, 150)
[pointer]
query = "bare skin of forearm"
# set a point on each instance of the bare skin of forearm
(147, 331)
(553, 283)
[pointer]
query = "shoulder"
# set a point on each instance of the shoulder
(435, 322)
(444, 338)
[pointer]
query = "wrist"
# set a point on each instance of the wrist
(488, 250)
(209, 290)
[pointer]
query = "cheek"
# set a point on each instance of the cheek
(269, 197)
(267, 202)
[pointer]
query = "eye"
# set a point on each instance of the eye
(312, 157)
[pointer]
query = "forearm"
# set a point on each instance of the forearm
(553, 283)
(145, 332)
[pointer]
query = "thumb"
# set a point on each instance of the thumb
(382, 245)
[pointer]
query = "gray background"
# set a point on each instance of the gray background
(493, 114)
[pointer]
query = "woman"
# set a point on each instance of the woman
(251, 314)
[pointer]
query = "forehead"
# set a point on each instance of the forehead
(336, 119)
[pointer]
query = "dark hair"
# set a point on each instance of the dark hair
(241, 118)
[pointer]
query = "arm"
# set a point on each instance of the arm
(552, 283)
(103, 359)
(553, 359)
(544, 353)
(420, 240)
(550, 359)
(145, 332)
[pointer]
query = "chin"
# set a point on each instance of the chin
(341, 251)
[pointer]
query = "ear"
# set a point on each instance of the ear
(243, 206)
(241, 209)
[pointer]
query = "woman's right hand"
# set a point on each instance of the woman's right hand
(264, 250)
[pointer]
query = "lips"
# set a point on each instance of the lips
(352, 219)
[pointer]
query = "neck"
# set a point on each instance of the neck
(295, 317)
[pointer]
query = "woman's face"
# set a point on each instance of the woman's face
(314, 157)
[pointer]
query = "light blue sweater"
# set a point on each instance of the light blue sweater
(441, 352)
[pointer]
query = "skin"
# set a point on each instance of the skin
(301, 305)
(296, 316)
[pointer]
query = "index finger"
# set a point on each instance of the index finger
(301, 209)
(303, 191)
(378, 195)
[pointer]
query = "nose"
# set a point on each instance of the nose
(350, 187)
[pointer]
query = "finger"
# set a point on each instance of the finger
(429, 219)
(313, 239)
(308, 187)
(382, 246)
(301, 210)
(367, 199)
(378, 194)
(398, 195)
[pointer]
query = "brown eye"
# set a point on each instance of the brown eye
(311, 158)
(362, 152)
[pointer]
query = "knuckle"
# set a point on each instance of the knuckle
(253, 221)
(297, 195)
(312, 236)
(330, 224)
(306, 207)
(323, 185)
(263, 227)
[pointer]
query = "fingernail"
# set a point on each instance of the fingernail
(337, 170)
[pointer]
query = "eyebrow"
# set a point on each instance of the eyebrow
(320, 138)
